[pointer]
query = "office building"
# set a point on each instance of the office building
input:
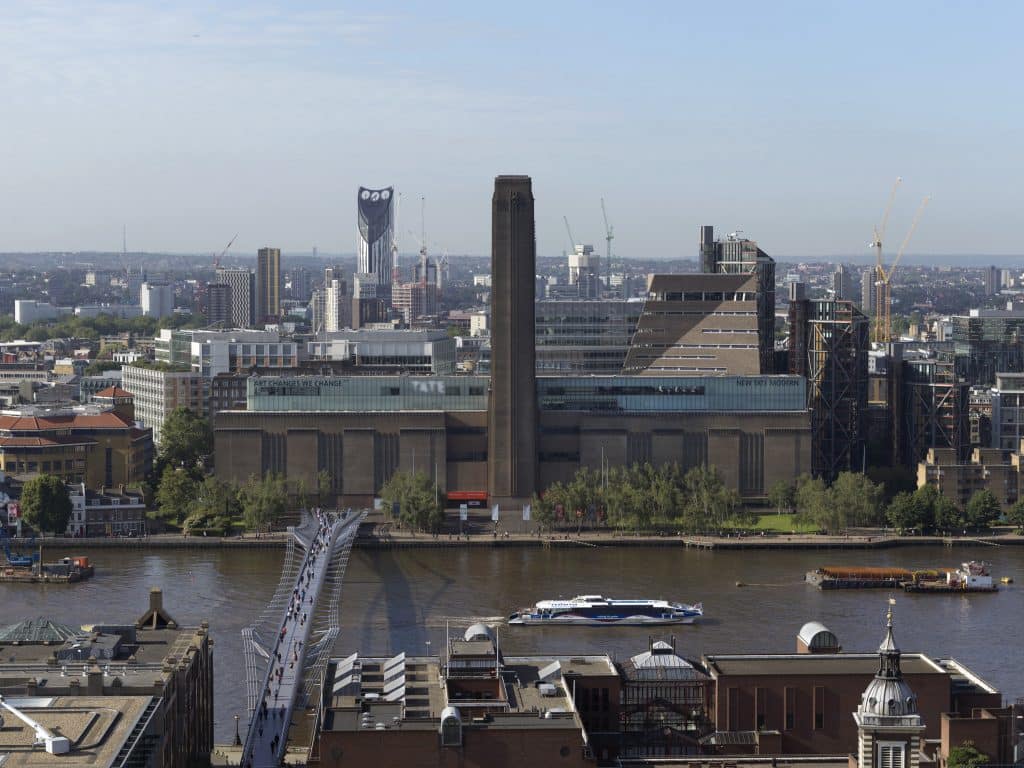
(698, 325)
(213, 352)
(512, 418)
(157, 299)
(740, 256)
(159, 388)
(989, 341)
(828, 344)
(375, 254)
(1007, 411)
(125, 694)
(29, 311)
(582, 336)
(300, 284)
(96, 444)
(842, 284)
(867, 291)
(368, 305)
(268, 285)
(243, 295)
(218, 306)
(383, 352)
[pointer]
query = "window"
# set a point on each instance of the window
(790, 717)
(889, 755)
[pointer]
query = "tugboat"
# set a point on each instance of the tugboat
(595, 610)
(972, 576)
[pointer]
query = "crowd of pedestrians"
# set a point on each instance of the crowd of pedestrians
(287, 652)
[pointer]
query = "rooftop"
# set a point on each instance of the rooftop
(99, 729)
(769, 664)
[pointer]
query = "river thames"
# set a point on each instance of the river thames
(402, 599)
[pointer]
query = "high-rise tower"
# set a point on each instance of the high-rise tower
(377, 238)
(243, 295)
(512, 416)
(268, 284)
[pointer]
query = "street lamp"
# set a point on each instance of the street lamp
(238, 736)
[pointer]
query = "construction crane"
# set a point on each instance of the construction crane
(609, 235)
(878, 234)
(883, 281)
(219, 256)
(572, 240)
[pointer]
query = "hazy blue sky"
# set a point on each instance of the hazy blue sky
(189, 122)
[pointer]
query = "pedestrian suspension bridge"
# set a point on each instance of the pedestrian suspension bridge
(288, 646)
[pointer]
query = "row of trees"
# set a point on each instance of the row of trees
(212, 504)
(78, 327)
(642, 497)
(853, 500)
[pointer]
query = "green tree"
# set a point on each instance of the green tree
(966, 755)
(1016, 515)
(813, 503)
(46, 504)
(709, 504)
(216, 503)
(946, 514)
(782, 495)
(906, 511)
(263, 500)
(418, 500)
(184, 439)
(982, 508)
(856, 500)
(175, 495)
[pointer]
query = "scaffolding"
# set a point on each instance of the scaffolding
(829, 346)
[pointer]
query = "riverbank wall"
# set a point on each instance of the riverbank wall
(399, 540)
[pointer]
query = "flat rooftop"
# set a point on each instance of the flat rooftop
(98, 728)
(814, 664)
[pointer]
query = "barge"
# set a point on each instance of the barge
(67, 570)
(972, 576)
(858, 577)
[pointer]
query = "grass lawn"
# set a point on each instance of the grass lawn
(773, 523)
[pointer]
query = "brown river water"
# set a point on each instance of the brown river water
(397, 600)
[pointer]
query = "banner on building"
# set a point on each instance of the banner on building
(526, 513)
(494, 513)
(463, 512)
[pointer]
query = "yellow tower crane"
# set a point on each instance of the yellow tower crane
(876, 243)
(883, 282)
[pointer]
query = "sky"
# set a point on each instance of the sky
(188, 122)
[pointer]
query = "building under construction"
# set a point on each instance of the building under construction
(829, 346)
(936, 403)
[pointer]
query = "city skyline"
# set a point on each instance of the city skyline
(181, 114)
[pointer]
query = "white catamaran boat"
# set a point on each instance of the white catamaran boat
(595, 610)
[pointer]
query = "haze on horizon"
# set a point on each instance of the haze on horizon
(190, 122)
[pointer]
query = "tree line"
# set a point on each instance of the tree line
(642, 497)
(853, 500)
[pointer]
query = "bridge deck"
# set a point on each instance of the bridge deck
(322, 536)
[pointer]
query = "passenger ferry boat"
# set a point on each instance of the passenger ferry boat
(595, 610)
